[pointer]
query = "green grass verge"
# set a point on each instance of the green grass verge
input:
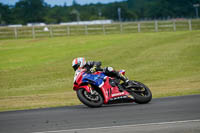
(37, 73)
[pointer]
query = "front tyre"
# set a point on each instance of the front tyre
(93, 99)
(140, 92)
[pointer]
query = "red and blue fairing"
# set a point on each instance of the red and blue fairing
(94, 79)
(81, 79)
(100, 80)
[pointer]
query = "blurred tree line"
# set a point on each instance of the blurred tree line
(26, 11)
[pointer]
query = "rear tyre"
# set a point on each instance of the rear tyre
(140, 92)
(91, 100)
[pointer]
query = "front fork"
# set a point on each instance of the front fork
(88, 88)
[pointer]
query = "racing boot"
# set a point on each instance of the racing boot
(124, 79)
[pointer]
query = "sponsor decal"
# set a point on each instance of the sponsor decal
(117, 98)
(117, 94)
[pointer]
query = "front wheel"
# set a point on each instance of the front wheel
(93, 99)
(140, 92)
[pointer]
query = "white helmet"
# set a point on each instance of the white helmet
(78, 62)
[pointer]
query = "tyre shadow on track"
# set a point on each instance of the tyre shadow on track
(109, 106)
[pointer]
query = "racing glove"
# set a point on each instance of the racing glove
(93, 69)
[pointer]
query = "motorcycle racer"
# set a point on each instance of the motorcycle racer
(93, 66)
(95, 86)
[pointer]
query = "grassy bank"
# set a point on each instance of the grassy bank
(37, 73)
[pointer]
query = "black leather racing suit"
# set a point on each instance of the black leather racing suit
(109, 71)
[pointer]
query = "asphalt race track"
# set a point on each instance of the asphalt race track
(166, 115)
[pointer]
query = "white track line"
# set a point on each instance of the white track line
(147, 124)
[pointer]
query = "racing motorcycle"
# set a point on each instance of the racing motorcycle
(96, 89)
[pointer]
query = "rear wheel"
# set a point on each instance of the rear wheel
(93, 99)
(140, 92)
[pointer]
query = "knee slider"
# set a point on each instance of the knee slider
(110, 69)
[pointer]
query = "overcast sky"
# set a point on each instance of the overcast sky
(61, 2)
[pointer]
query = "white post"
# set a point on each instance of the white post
(190, 24)
(156, 26)
(174, 25)
(33, 32)
(68, 30)
(139, 27)
(121, 27)
(15, 31)
(86, 30)
(51, 31)
(104, 31)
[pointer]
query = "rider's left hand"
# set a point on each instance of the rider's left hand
(93, 69)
